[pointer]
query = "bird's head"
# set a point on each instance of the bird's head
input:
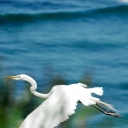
(17, 77)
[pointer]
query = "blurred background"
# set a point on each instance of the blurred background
(64, 42)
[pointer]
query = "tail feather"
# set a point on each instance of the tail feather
(107, 105)
(97, 100)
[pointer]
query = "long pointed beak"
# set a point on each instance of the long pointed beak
(11, 77)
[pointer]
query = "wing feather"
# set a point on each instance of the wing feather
(56, 109)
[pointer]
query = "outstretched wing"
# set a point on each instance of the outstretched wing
(56, 109)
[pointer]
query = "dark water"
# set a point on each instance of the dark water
(73, 37)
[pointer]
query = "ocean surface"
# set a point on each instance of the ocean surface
(72, 38)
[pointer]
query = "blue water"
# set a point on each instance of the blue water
(73, 38)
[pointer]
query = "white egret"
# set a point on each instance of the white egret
(61, 103)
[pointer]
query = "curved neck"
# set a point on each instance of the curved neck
(34, 87)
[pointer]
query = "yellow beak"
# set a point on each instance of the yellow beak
(11, 77)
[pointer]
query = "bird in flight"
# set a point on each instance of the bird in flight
(61, 103)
